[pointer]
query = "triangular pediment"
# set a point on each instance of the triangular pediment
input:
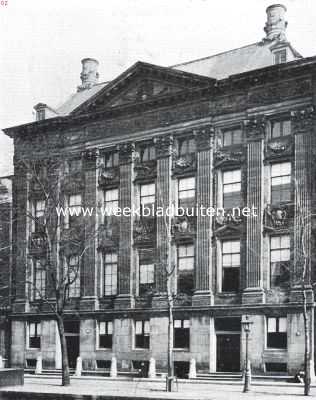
(141, 83)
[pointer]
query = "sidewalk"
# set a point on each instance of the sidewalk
(155, 389)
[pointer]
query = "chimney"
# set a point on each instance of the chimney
(276, 25)
(89, 75)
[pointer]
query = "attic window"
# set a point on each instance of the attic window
(40, 114)
(280, 56)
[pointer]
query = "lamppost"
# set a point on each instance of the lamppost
(247, 368)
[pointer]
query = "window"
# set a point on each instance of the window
(74, 165)
(230, 265)
(186, 268)
(111, 160)
(146, 271)
(279, 260)
(186, 146)
(34, 335)
(105, 334)
(181, 330)
(39, 213)
(73, 276)
(232, 136)
(111, 201)
(110, 274)
(40, 114)
(39, 280)
(232, 188)
(280, 128)
(277, 333)
(186, 192)
(74, 209)
(147, 153)
(280, 56)
(280, 182)
(147, 195)
(142, 334)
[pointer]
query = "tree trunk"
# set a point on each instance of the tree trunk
(64, 354)
(170, 381)
(307, 372)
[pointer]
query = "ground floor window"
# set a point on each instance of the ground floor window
(105, 334)
(181, 333)
(34, 335)
(142, 334)
(277, 333)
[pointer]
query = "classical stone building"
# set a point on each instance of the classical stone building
(231, 130)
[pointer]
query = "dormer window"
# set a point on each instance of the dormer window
(147, 153)
(280, 128)
(280, 56)
(231, 137)
(186, 146)
(111, 160)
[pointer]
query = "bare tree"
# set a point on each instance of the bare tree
(60, 239)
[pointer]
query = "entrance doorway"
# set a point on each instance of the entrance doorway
(228, 331)
(72, 334)
(228, 352)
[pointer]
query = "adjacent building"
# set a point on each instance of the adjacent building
(231, 130)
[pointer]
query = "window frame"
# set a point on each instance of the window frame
(186, 146)
(277, 331)
(183, 335)
(144, 336)
(38, 294)
(75, 286)
(280, 250)
(277, 56)
(37, 336)
(113, 266)
(183, 274)
(287, 187)
(232, 132)
(232, 266)
(231, 183)
(107, 325)
(184, 201)
(283, 132)
(146, 261)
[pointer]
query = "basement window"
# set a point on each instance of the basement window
(276, 367)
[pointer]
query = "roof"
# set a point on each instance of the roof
(236, 61)
(76, 99)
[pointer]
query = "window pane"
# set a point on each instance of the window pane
(186, 183)
(177, 323)
(110, 328)
(102, 328)
(271, 324)
(186, 323)
(138, 327)
(282, 324)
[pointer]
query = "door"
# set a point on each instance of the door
(72, 349)
(228, 353)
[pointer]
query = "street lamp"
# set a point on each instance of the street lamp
(247, 369)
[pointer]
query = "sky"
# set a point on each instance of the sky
(42, 43)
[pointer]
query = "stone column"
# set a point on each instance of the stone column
(20, 233)
(125, 253)
(88, 274)
(204, 198)
(302, 128)
(163, 200)
(253, 292)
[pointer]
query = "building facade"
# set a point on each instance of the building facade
(229, 131)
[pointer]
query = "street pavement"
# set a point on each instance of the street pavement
(155, 389)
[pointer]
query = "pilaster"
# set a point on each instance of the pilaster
(204, 198)
(125, 289)
(255, 129)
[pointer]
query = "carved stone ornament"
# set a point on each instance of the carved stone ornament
(108, 176)
(280, 147)
(204, 137)
(126, 153)
(163, 146)
(144, 230)
(223, 157)
(303, 119)
(278, 217)
(255, 127)
(146, 169)
(183, 227)
(37, 243)
(90, 154)
(184, 164)
(228, 221)
(108, 233)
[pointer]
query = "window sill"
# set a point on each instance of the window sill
(275, 350)
(103, 349)
(186, 349)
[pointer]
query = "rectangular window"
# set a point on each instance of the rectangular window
(232, 188)
(147, 195)
(186, 146)
(277, 333)
(39, 215)
(34, 335)
(105, 334)
(147, 153)
(39, 279)
(146, 271)
(230, 265)
(111, 160)
(279, 261)
(281, 128)
(74, 209)
(232, 137)
(73, 276)
(142, 334)
(280, 56)
(186, 192)
(186, 268)
(181, 330)
(280, 182)
(110, 274)
(111, 201)
(75, 165)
